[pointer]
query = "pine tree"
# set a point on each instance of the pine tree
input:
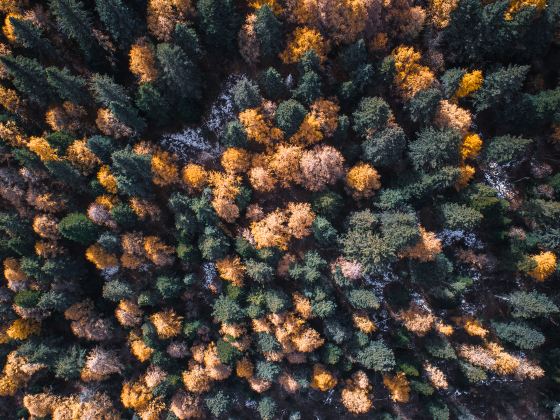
(433, 149)
(77, 227)
(76, 23)
(29, 77)
(114, 96)
(289, 116)
(180, 73)
(500, 87)
(30, 36)
(133, 172)
(269, 32)
(67, 86)
(385, 147)
(372, 115)
(219, 22)
(271, 83)
(119, 20)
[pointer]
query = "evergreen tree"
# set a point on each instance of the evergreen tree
(114, 96)
(500, 87)
(372, 114)
(186, 37)
(434, 149)
(76, 23)
(271, 83)
(377, 356)
(246, 94)
(30, 36)
(180, 73)
(132, 172)
(385, 148)
(67, 86)
(423, 105)
(289, 116)
(219, 22)
(308, 88)
(29, 77)
(78, 228)
(506, 149)
(268, 30)
(119, 20)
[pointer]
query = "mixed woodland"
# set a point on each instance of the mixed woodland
(279, 209)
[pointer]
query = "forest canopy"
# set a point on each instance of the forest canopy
(279, 209)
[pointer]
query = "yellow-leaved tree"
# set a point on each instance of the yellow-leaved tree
(305, 39)
(545, 265)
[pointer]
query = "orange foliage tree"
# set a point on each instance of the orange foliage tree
(142, 61)
(363, 180)
(545, 265)
(411, 77)
(305, 39)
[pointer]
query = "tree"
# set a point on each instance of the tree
(268, 30)
(114, 96)
(355, 395)
(411, 77)
(119, 20)
(267, 408)
(377, 356)
(132, 172)
(75, 22)
(363, 299)
(77, 227)
(289, 116)
(545, 265)
(470, 83)
(180, 73)
(30, 36)
(308, 88)
(460, 217)
(506, 149)
(520, 334)
(271, 83)
(385, 148)
(372, 115)
(246, 94)
(219, 22)
(531, 304)
(363, 180)
(28, 76)
(226, 309)
(449, 115)
(213, 244)
(367, 248)
(152, 102)
(186, 37)
(324, 232)
(67, 86)
(302, 41)
(321, 166)
(500, 87)
(434, 149)
(322, 379)
(142, 61)
(218, 403)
